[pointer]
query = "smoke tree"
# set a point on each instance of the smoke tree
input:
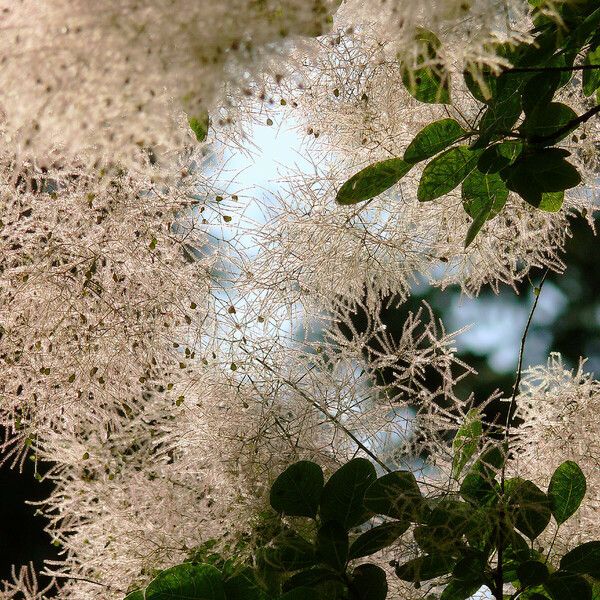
(150, 310)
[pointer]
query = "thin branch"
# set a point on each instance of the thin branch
(511, 409)
(551, 69)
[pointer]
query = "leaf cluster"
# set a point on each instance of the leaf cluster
(512, 145)
(475, 537)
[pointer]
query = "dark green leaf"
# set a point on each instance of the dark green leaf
(528, 506)
(532, 572)
(563, 585)
(136, 595)
(429, 83)
(480, 82)
(187, 582)
(242, 585)
(539, 91)
(433, 139)
(541, 172)
(470, 568)
(467, 437)
(425, 567)
(199, 125)
(503, 111)
(372, 181)
(566, 490)
(343, 494)
(369, 583)
(395, 495)
(311, 578)
(479, 486)
(591, 78)
(484, 196)
(288, 552)
(297, 491)
(332, 545)
(583, 559)
(546, 121)
(499, 156)
(299, 593)
(445, 172)
(460, 590)
(448, 522)
(377, 538)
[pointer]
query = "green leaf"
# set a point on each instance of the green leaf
(484, 196)
(478, 222)
(499, 156)
(532, 572)
(372, 181)
(187, 582)
(343, 494)
(563, 585)
(460, 590)
(539, 91)
(503, 111)
(566, 490)
(199, 125)
(395, 495)
(297, 491)
(429, 83)
(466, 440)
(591, 78)
(369, 582)
(299, 593)
(288, 552)
(377, 538)
(309, 578)
(445, 172)
(540, 172)
(546, 121)
(242, 585)
(528, 506)
(433, 139)
(425, 567)
(332, 545)
(446, 525)
(584, 559)
(480, 82)
(135, 595)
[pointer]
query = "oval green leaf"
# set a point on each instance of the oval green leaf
(566, 490)
(332, 545)
(297, 491)
(465, 441)
(372, 181)
(541, 172)
(433, 139)
(431, 83)
(445, 172)
(568, 586)
(532, 572)
(187, 582)
(377, 538)
(584, 559)
(343, 494)
(548, 120)
(369, 582)
(425, 567)
(591, 78)
(528, 506)
(395, 495)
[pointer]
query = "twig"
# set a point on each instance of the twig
(511, 408)
(551, 69)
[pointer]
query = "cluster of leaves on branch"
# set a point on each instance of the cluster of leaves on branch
(500, 151)
(482, 534)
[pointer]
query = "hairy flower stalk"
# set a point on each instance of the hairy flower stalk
(170, 343)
